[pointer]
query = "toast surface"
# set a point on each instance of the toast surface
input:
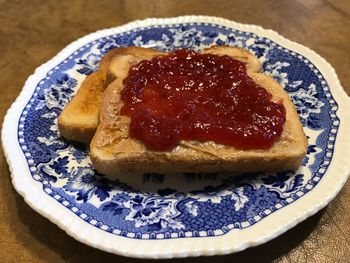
(113, 152)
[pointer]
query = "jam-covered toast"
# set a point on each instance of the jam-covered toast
(79, 119)
(112, 151)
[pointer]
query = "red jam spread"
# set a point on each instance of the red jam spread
(203, 97)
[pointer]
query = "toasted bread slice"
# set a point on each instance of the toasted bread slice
(79, 119)
(112, 151)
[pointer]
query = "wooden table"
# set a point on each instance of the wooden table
(34, 31)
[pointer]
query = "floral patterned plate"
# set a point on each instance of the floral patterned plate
(156, 216)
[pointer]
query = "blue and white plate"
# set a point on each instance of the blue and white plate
(156, 216)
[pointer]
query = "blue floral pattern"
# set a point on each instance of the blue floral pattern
(86, 184)
(183, 205)
(88, 64)
(58, 94)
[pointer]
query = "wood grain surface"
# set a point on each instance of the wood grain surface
(31, 32)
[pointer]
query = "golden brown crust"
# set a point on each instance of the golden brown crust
(79, 118)
(113, 152)
(253, 64)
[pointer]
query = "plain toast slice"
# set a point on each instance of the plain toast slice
(112, 151)
(79, 119)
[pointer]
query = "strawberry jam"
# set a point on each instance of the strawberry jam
(203, 97)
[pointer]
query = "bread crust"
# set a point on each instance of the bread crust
(112, 151)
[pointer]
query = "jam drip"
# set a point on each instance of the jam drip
(204, 97)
